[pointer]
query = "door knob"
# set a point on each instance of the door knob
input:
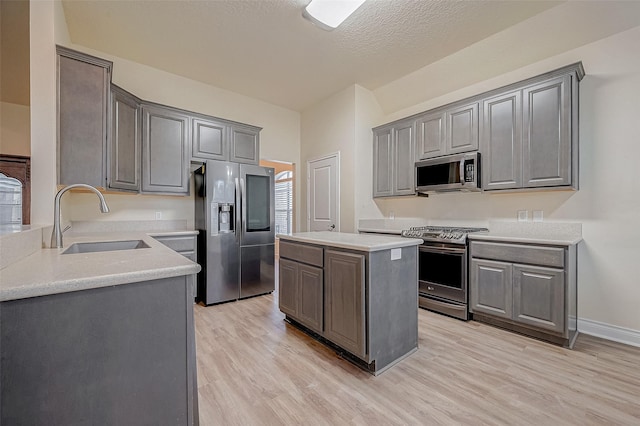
(332, 227)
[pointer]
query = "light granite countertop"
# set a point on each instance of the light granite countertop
(360, 242)
(552, 233)
(48, 271)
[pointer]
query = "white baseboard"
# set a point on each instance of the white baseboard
(609, 332)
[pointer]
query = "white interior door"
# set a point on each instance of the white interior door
(323, 193)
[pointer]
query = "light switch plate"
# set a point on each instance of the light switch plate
(396, 254)
(523, 215)
(538, 216)
(158, 215)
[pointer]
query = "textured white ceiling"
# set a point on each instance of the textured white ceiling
(266, 49)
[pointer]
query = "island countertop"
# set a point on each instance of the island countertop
(48, 271)
(360, 242)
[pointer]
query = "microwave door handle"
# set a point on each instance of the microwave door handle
(461, 172)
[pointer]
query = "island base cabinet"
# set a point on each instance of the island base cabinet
(345, 304)
(363, 304)
(300, 293)
(112, 355)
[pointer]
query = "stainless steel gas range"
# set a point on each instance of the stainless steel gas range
(443, 268)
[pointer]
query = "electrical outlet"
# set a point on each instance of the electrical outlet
(538, 215)
(523, 215)
(158, 215)
(392, 215)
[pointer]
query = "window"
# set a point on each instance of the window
(284, 202)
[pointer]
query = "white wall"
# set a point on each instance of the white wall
(43, 111)
(15, 129)
(279, 139)
(326, 128)
(608, 202)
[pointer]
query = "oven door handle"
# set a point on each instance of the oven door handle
(443, 249)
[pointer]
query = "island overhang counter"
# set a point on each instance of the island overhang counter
(357, 293)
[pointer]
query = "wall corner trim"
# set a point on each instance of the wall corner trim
(609, 332)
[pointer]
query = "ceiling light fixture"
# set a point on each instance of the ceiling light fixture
(328, 14)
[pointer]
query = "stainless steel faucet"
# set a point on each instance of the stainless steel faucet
(56, 235)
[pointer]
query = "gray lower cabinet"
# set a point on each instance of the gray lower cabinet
(345, 297)
(186, 245)
(165, 150)
(83, 101)
(530, 135)
(345, 314)
(114, 355)
(124, 141)
(525, 287)
(394, 157)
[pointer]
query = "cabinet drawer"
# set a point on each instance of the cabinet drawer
(180, 244)
(302, 253)
(519, 253)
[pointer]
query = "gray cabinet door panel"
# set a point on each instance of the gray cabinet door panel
(430, 135)
(547, 133)
(403, 159)
(344, 301)
(165, 150)
(83, 99)
(310, 297)
(462, 129)
(244, 144)
(538, 297)
(124, 141)
(382, 163)
(209, 139)
(491, 288)
(502, 141)
(288, 287)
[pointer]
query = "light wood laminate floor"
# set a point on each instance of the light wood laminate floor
(255, 369)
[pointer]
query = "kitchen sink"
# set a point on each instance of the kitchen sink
(105, 246)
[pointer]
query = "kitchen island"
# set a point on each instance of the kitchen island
(357, 293)
(102, 337)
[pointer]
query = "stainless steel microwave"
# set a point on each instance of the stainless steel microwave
(460, 172)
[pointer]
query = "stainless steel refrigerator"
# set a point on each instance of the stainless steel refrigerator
(235, 214)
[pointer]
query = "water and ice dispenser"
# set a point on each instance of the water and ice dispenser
(222, 218)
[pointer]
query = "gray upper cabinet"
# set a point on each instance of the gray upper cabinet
(546, 154)
(529, 135)
(430, 135)
(447, 131)
(403, 159)
(345, 300)
(124, 141)
(83, 102)
(393, 160)
(210, 139)
(244, 144)
(502, 141)
(165, 150)
(462, 129)
(382, 162)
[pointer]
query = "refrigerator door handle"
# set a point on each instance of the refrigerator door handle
(238, 211)
(243, 222)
